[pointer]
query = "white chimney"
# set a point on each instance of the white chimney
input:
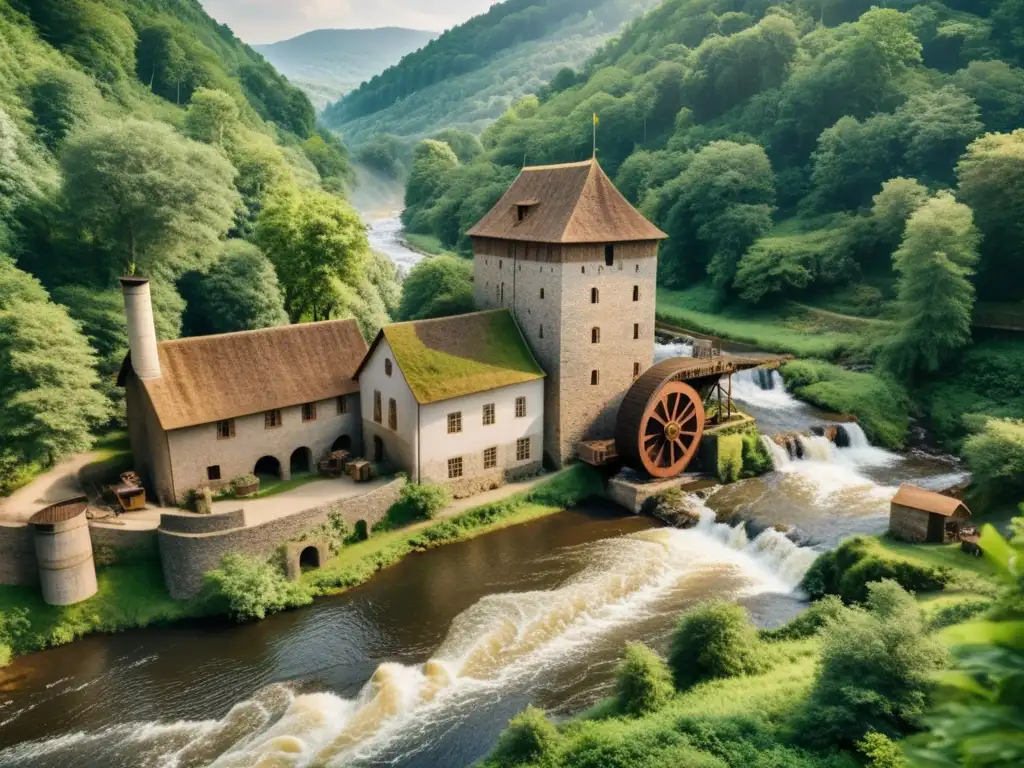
(138, 310)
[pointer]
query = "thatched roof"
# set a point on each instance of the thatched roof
(209, 378)
(928, 501)
(461, 355)
(572, 203)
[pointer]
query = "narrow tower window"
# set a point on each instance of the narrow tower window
(542, 331)
(636, 293)
(594, 377)
(594, 296)
(609, 255)
(636, 330)
(636, 370)
(542, 293)
(595, 335)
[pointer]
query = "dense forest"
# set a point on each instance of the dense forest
(471, 74)
(142, 137)
(867, 161)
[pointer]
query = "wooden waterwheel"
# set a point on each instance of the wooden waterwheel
(660, 423)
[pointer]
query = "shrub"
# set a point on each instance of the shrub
(876, 671)
(958, 613)
(425, 500)
(643, 683)
(808, 623)
(880, 751)
(529, 738)
(246, 589)
(202, 500)
(244, 481)
(849, 570)
(996, 457)
(714, 640)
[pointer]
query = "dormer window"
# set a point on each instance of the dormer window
(523, 208)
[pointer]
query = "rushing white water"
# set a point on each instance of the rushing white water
(385, 235)
(675, 349)
(763, 388)
(502, 641)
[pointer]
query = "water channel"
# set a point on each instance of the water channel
(424, 664)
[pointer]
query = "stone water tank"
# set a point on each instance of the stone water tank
(67, 573)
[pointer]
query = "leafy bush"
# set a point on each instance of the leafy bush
(996, 457)
(809, 622)
(876, 671)
(425, 500)
(529, 738)
(881, 752)
(714, 640)
(244, 481)
(880, 405)
(247, 589)
(202, 500)
(742, 455)
(958, 613)
(643, 683)
(848, 571)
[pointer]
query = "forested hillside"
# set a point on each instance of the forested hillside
(471, 74)
(866, 160)
(142, 137)
(328, 63)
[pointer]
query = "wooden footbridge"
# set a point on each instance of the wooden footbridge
(662, 417)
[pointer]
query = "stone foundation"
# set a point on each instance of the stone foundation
(633, 493)
(490, 479)
(18, 564)
(187, 556)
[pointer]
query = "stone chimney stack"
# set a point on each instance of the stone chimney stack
(138, 310)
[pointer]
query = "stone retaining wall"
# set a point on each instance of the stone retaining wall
(222, 521)
(17, 555)
(113, 544)
(186, 557)
(488, 480)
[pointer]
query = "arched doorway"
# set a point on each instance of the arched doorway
(378, 448)
(268, 466)
(343, 443)
(301, 461)
(309, 559)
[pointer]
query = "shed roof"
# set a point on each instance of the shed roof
(210, 378)
(928, 501)
(571, 203)
(454, 356)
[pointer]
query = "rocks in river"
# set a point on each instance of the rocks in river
(676, 509)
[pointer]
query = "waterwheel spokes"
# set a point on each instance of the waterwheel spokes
(670, 429)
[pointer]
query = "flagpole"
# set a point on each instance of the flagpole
(594, 156)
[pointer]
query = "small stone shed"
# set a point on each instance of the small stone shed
(925, 516)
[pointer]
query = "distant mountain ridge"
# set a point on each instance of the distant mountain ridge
(328, 63)
(469, 75)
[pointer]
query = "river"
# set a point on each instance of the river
(424, 664)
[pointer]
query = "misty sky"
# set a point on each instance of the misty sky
(267, 21)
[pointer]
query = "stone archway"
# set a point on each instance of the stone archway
(309, 558)
(268, 466)
(305, 555)
(301, 462)
(343, 443)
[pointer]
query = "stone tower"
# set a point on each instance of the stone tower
(577, 264)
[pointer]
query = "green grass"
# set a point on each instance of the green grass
(473, 353)
(880, 405)
(428, 244)
(966, 568)
(792, 330)
(271, 486)
(129, 596)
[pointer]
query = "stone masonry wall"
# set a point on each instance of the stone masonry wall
(113, 544)
(559, 324)
(186, 557)
(17, 555)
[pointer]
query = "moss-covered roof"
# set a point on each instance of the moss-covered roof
(461, 355)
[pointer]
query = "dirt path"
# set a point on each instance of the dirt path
(59, 483)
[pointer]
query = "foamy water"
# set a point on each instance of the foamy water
(501, 642)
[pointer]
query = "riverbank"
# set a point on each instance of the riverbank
(134, 595)
(759, 697)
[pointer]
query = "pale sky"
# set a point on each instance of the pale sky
(267, 21)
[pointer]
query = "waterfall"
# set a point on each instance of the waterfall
(674, 349)
(780, 456)
(763, 388)
(498, 644)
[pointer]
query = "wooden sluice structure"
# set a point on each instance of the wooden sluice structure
(663, 415)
